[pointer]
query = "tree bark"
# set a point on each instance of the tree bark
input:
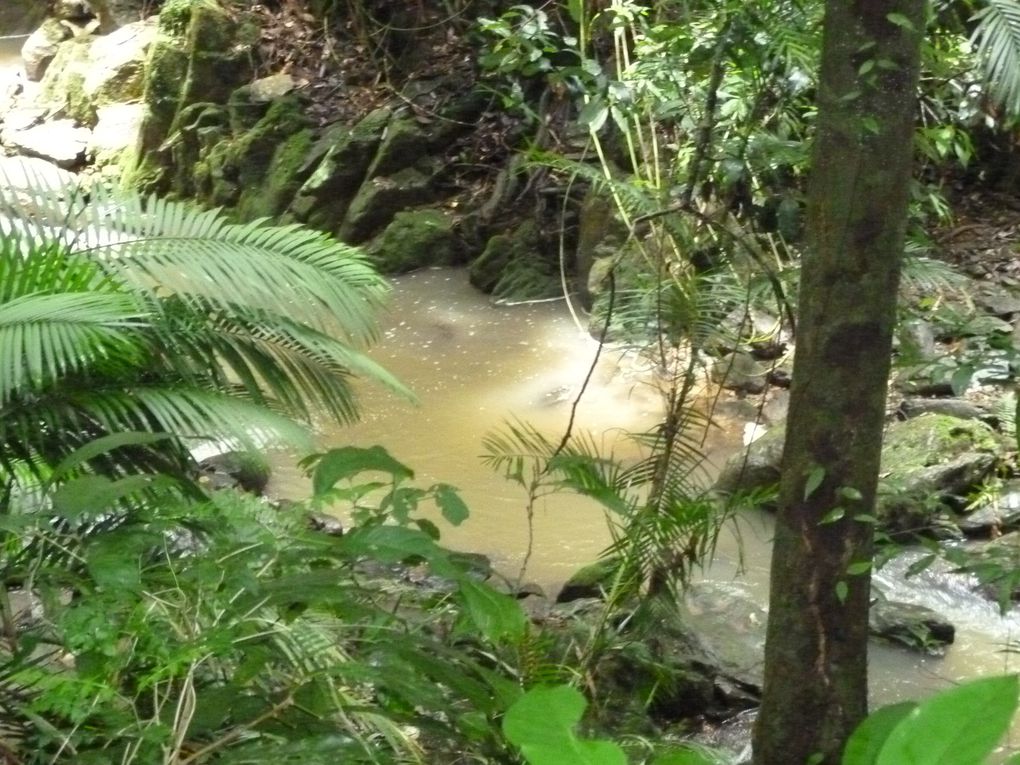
(815, 689)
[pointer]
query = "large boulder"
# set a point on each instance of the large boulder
(90, 72)
(929, 464)
(41, 47)
(202, 53)
(62, 142)
(415, 239)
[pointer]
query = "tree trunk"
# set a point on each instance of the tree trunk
(815, 689)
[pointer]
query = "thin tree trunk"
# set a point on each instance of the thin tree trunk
(815, 689)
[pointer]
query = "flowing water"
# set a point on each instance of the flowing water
(473, 365)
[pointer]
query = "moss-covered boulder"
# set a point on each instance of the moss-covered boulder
(91, 72)
(341, 158)
(379, 199)
(256, 172)
(512, 266)
(416, 239)
(202, 53)
(929, 464)
(591, 581)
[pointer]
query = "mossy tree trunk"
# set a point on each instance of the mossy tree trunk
(815, 689)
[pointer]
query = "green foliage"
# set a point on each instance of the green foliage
(960, 726)
(542, 724)
(175, 628)
(122, 313)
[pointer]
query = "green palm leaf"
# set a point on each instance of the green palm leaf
(997, 42)
(124, 313)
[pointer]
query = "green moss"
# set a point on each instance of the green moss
(282, 179)
(415, 239)
(512, 266)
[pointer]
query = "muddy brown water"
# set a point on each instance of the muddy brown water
(473, 365)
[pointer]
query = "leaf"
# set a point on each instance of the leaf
(497, 616)
(850, 493)
(542, 724)
(835, 514)
(453, 508)
(348, 461)
(814, 480)
(901, 21)
(105, 444)
(960, 726)
(858, 567)
(94, 495)
(594, 114)
(866, 741)
(842, 590)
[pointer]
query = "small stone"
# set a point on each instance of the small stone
(271, 88)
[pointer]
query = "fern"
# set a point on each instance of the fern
(996, 39)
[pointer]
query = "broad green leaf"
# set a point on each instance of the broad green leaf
(858, 567)
(960, 726)
(594, 114)
(867, 739)
(348, 461)
(453, 508)
(93, 495)
(497, 616)
(842, 590)
(900, 20)
(542, 724)
(814, 480)
(835, 514)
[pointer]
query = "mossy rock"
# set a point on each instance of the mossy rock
(380, 199)
(929, 464)
(591, 581)
(513, 268)
(415, 239)
(246, 470)
(257, 172)
(401, 147)
(340, 159)
(202, 53)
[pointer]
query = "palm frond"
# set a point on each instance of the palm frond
(997, 41)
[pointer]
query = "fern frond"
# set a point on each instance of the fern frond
(997, 41)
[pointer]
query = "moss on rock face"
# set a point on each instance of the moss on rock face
(346, 153)
(201, 53)
(281, 180)
(415, 239)
(380, 199)
(512, 266)
(929, 464)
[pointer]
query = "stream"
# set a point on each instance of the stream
(474, 365)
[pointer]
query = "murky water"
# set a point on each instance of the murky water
(473, 365)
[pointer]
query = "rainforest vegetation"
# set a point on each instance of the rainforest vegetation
(675, 168)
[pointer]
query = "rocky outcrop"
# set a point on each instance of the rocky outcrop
(929, 464)
(201, 54)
